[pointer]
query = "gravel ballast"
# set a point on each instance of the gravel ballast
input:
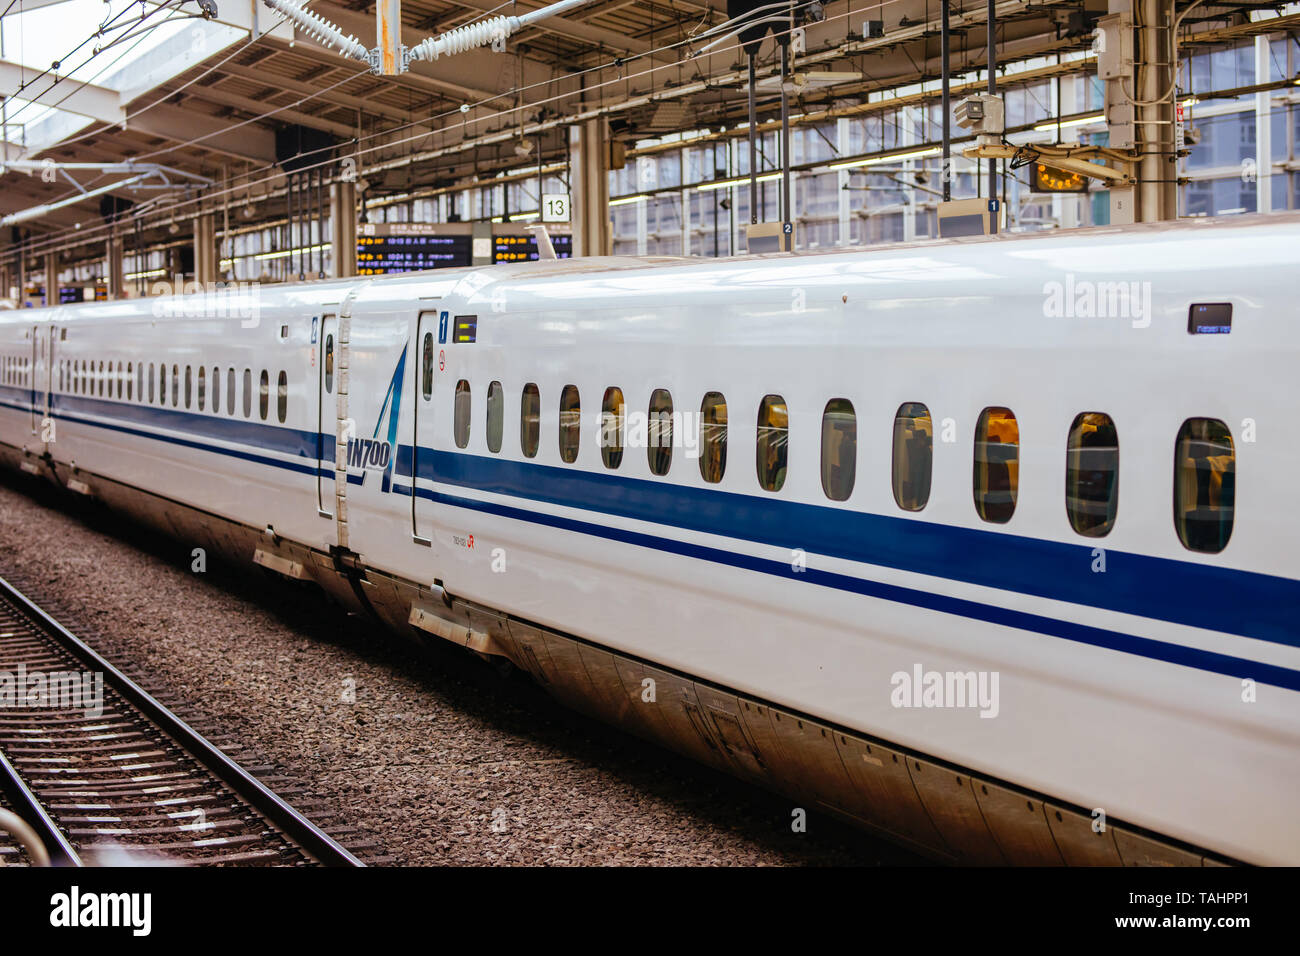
(438, 760)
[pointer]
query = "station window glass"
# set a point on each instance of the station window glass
(839, 449)
(773, 442)
(613, 414)
(997, 464)
(713, 437)
(462, 413)
(1092, 474)
(913, 456)
(659, 432)
(282, 397)
(264, 395)
(426, 367)
(1205, 484)
(189, 384)
(530, 420)
(203, 387)
(570, 424)
(248, 393)
(329, 362)
(496, 416)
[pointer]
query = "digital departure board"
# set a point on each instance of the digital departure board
(381, 255)
(524, 248)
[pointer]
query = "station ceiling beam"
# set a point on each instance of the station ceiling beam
(334, 97)
(74, 96)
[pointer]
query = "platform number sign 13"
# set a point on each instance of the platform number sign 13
(555, 207)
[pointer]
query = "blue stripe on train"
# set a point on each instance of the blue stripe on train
(1198, 595)
(1236, 602)
(1022, 620)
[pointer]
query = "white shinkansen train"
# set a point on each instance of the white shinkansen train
(942, 537)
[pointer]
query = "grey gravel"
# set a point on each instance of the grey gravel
(441, 760)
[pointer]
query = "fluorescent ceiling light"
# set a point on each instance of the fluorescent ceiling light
(1079, 121)
(891, 158)
(725, 183)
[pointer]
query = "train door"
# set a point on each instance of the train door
(34, 380)
(326, 413)
(422, 420)
(47, 388)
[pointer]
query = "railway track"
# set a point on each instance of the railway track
(104, 773)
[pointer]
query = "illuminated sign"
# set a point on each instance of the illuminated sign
(1050, 180)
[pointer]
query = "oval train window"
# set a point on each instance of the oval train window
(530, 420)
(570, 424)
(913, 456)
(496, 416)
(773, 447)
(996, 479)
(461, 414)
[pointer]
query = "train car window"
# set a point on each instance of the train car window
(130, 380)
(189, 384)
(997, 464)
(151, 381)
(426, 367)
(460, 414)
(162, 383)
(713, 437)
(264, 395)
(329, 362)
(230, 391)
(120, 377)
(176, 385)
(60, 375)
(839, 449)
(139, 382)
(102, 379)
(659, 432)
(773, 442)
(530, 421)
(216, 390)
(570, 424)
(496, 416)
(203, 387)
(613, 415)
(1205, 484)
(248, 393)
(1092, 474)
(913, 456)
(282, 397)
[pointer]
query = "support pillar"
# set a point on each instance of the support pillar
(205, 250)
(589, 181)
(113, 274)
(1157, 170)
(1263, 129)
(51, 278)
(343, 229)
